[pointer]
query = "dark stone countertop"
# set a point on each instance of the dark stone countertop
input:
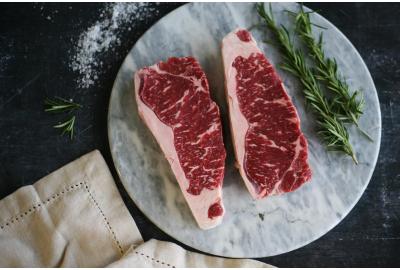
(37, 42)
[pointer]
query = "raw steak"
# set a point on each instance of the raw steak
(174, 101)
(271, 151)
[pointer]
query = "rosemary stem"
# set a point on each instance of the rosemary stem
(353, 156)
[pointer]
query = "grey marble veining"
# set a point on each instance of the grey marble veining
(289, 221)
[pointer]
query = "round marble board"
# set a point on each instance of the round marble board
(266, 227)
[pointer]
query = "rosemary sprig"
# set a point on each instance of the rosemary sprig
(330, 128)
(348, 107)
(60, 105)
(67, 126)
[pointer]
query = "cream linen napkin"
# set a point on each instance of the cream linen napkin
(75, 217)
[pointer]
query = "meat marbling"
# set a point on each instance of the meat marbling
(174, 101)
(271, 151)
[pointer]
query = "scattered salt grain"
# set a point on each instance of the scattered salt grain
(103, 36)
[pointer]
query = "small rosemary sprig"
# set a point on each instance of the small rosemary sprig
(348, 107)
(67, 126)
(60, 105)
(330, 128)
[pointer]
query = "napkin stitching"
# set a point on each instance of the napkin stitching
(108, 225)
(18, 217)
(153, 259)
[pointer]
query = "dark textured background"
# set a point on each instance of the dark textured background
(34, 57)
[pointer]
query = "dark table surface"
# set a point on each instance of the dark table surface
(36, 46)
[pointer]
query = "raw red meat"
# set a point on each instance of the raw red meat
(271, 151)
(174, 101)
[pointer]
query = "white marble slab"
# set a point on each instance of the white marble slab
(291, 220)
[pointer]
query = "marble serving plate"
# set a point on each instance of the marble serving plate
(250, 228)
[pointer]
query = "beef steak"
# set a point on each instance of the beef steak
(174, 101)
(271, 151)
